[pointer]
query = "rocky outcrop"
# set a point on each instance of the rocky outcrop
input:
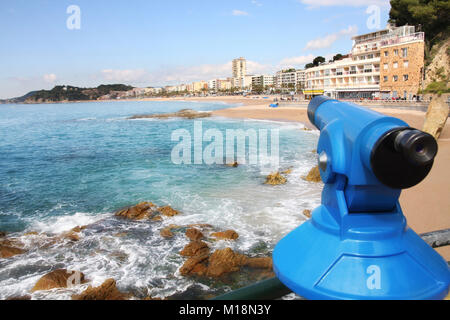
(436, 116)
(2, 234)
(107, 291)
(221, 262)
(10, 248)
(233, 164)
(275, 179)
(166, 233)
(60, 278)
(195, 248)
(225, 235)
(313, 175)
(185, 113)
(194, 234)
(168, 211)
(143, 210)
(307, 213)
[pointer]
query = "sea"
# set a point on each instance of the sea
(76, 164)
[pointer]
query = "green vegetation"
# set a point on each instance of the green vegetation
(316, 62)
(438, 87)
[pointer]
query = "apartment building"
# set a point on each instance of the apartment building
(263, 81)
(372, 69)
(239, 72)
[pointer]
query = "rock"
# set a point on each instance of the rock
(2, 234)
(195, 248)
(166, 233)
(31, 233)
(168, 211)
(225, 235)
(260, 263)
(19, 298)
(307, 213)
(143, 210)
(70, 235)
(233, 165)
(288, 171)
(60, 278)
(436, 117)
(195, 266)
(185, 113)
(224, 261)
(275, 179)
(313, 175)
(78, 229)
(194, 234)
(9, 248)
(107, 291)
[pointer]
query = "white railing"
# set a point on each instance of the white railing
(391, 40)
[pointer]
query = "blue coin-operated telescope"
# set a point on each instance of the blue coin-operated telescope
(357, 244)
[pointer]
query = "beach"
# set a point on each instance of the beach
(426, 206)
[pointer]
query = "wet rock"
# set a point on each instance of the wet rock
(194, 234)
(288, 171)
(313, 175)
(19, 298)
(275, 179)
(107, 291)
(185, 113)
(196, 265)
(307, 213)
(436, 116)
(10, 248)
(60, 278)
(201, 226)
(78, 229)
(143, 210)
(225, 235)
(31, 233)
(195, 248)
(166, 233)
(168, 211)
(2, 234)
(224, 261)
(233, 164)
(70, 235)
(259, 263)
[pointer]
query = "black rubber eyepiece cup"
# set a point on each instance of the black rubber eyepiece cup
(418, 147)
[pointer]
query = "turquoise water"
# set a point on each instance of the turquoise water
(64, 165)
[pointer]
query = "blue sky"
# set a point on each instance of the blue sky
(153, 42)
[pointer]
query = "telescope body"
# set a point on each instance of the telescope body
(357, 245)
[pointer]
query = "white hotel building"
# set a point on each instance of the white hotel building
(357, 76)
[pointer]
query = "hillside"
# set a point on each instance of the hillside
(69, 93)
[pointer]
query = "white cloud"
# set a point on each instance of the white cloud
(49, 78)
(347, 3)
(296, 61)
(257, 3)
(328, 40)
(239, 13)
(136, 75)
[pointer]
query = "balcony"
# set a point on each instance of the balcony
(392, 40)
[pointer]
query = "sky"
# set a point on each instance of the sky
(161, 42)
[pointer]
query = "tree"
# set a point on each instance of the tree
(432, 15)
(309, 65)
(318, 60)
(338, 57)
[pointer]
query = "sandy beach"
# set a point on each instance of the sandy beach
(426, 206)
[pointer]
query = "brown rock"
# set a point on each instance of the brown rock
(260, 263)
(143, 210)
(185, 113)
(288, 171)
(233, 164)
(194, 234)
(195, 266)
(31, 233)
(78, 229)
(70, 235)
(307, 213)
(168, 211)
(59, 278)
(195, 248)
(10, 248)
(107, 291)
(437, 115)
(166, 233)
(313, 175)
(226, 235)
(275, 179)
(19, 298)
(2, 234)
(224, 261)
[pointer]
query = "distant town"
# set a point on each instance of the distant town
(385, 64)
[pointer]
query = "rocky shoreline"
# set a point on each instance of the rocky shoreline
(202, 264)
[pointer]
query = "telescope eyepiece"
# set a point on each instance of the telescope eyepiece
(418, 147)
(403, 157)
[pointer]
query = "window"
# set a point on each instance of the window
(395, 78)
(386, 53)
(385, 66)
(339, 71)
(385, 78)
(404, 52)
(395, 52)
(405, 77)
(406, 63)
(395, 65)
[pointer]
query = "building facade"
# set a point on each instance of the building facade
(239, 72)
(373, 70)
